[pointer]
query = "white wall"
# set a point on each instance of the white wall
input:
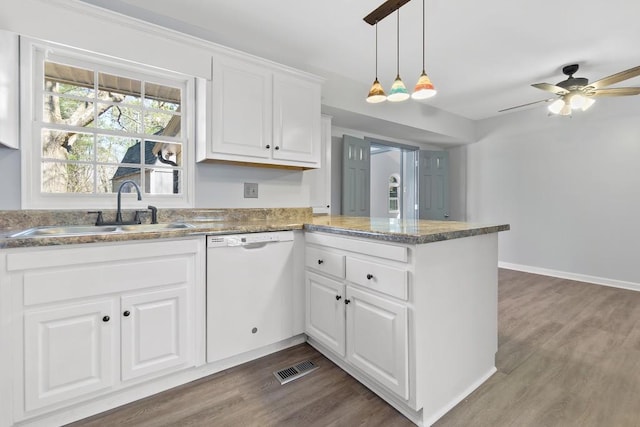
(569, 187)
(382, 166)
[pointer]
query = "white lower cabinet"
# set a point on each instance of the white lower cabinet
(70, 351)
(367, 329)
(101, 318)
(377, 339)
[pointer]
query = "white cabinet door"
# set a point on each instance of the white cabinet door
(325, 312)
(242, 110)
(70, 351)
(319, 180)
(9, 104)
(155, 333)
(296, 120)
(377, 339)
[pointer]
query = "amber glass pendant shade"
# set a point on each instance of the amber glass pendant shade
(376, 93)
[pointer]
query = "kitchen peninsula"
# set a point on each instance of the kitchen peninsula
(409, 308)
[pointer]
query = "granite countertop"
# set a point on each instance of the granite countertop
(238, 221)
(400, 231)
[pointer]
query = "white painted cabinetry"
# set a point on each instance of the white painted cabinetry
(360, 313)
(319, 180)
(94, 319)
(262, 113)
(415, 323)
(9, 84)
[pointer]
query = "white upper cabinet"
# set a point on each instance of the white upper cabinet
(241, 110)
(9, 89)
(262, 114)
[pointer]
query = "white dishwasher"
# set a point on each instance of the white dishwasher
(249, 292)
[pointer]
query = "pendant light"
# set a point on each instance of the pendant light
(398, 89)
(376, 93)
(424, 88)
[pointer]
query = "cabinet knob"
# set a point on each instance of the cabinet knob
(338, 297)
(276, 147)
(347, 301)
(320, 261)
(126, 313)
(267, 146)
(369, 276)
(106, 318)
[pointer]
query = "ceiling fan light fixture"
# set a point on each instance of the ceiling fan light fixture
(398, 91)
(588, 102)
(566, 110)
(556, 106)
(376, 93)
(578, 101)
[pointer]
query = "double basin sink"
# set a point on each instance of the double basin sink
(87, 230)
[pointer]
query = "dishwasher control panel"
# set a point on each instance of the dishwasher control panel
(248, 239)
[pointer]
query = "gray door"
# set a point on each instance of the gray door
(356, 169)
(433, 185)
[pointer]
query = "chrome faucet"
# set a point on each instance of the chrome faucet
(119, 211)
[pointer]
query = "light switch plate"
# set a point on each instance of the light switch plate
(250, 190)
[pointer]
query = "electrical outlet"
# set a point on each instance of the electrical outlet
(250, 190)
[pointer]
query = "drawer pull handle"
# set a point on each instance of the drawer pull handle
(267, 146)
(126, 313)
(347, 301)
(320, 261)
(369, 276)
(106, 318)
(338, 297)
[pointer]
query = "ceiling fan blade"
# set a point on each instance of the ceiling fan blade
(615, 78)
(525, 105)
(551, 88)
(618, 91)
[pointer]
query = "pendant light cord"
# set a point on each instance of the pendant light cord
(398, 44)
(376, 50)
(423, 34)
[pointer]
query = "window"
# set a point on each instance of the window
(97, 123)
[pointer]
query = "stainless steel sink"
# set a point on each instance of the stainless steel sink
(70, 230)
(88, 230)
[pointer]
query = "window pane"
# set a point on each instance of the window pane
(163, 181)
(161, 124)
(119, 117)
(67, 178)
(111, 177)
(162, 97)
(116, 149)
(68, 111)
(119, 89)
(166, 153)
(67, 145)
(59, 78)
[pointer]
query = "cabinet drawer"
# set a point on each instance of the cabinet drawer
(382, 278)
(327, 262)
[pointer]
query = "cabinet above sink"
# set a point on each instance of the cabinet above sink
(261, 114)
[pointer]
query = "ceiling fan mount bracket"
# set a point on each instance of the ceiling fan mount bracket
(570, 70)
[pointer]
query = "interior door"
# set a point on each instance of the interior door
(356, 176)
(433, 185)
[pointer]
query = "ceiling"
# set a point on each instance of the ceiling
(481, 55)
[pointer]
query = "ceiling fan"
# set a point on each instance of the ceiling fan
(577, 93)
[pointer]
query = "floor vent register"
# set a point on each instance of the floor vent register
(294, 372)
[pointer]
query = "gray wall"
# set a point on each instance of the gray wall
(569, 187)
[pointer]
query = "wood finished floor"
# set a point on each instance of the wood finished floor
(569, 355)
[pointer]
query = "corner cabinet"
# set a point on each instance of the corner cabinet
(262, 114)
(96, 319)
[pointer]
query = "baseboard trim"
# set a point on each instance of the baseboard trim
(603, 281)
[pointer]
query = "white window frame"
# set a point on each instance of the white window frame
(32, 56)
